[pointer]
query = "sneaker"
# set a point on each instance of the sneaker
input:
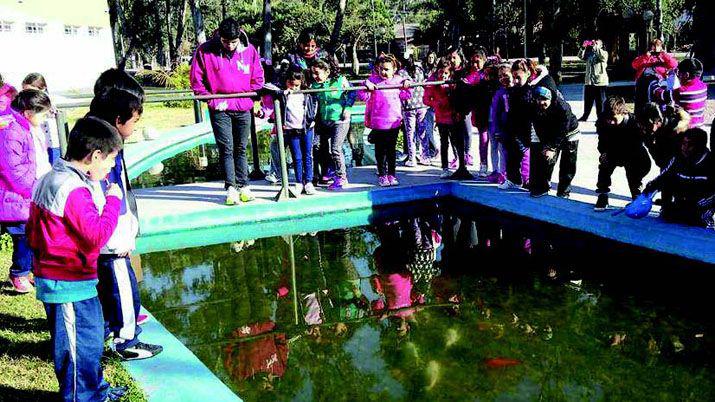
(601, 203)
(461, 174)
(246, 194)
(453, 164)
(338, 184)
(446, 173)
(483, 171)
(565, 196)
(495, 178)
(539, 195)
(469, 160)
(309, 189)
(232, 196)
(299, 188)
(142, 318)
(139, 351)
(271, 178)
(508, 185)
(425, 161)
(21, 284)
(115, 393)
(383, 181)
(393, 180)
(411, 163)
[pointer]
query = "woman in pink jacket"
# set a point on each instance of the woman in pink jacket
(383, 115)
(20, 168)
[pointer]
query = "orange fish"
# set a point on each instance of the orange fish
(497, 362)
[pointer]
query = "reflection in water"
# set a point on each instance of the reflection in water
(440, 304)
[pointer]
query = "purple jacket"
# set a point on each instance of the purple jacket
(383, 108)
(215, 71)
(17, 168)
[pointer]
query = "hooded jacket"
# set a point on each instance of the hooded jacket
(441, 98)
(214, 71)
(17, 168)
(556, 124)
(383, 107)
(660, 64)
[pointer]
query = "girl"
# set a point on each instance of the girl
(498, 117)
(480, 112)
(49, 127)
(383, 115)
(332, 121)
(7, 94)
(414, 113)
(23, 160)
(691, 95)
(298, 120)
(455, 55)
(449, 122)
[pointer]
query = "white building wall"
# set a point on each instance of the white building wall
(68, 62)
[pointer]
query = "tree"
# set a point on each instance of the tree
(198, 20)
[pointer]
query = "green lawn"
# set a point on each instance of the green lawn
(25, 350)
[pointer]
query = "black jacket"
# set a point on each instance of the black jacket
(621, 141)
(556, 124)
(691, 182)
(518, 125)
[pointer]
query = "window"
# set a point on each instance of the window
(71, 30)
(93, 31)
(35, 28)
(5, 26)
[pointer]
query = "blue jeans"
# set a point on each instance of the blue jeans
(429, 133)
(232, 131)
(301, 147)
(275, 165)
(77, 336)
(119, 294)
(21, 253)
(332, 135)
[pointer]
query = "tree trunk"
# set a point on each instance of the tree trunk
(356, 61)
(159, 37)
(337, 27)
(198, 19)
(115, 10)
(179, 38)
(267, 48)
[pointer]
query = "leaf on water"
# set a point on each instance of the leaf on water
(340, 329)
(699, 335)
(432, 372)
(677, 345)
(548, 333)
(451, 337)
(515, 319)
(528, 329)
(488, 313)
(617, 339)
(653, 347)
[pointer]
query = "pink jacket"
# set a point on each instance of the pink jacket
(66, 230)
(439, 98)
(661, 64)
(17, 167)
(215, 71)
(7, 94)
(383, 108)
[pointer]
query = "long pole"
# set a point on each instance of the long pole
(285, 191)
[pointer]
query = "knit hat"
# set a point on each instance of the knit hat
(542, 92)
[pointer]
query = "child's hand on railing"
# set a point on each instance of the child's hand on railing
(370, 86)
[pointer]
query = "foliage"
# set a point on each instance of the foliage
(175, 79)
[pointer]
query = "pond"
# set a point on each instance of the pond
(440, 302)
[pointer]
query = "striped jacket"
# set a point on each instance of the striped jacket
(691, 96)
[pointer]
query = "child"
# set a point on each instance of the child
(688, 182)
(480, 112)
(7, 94)
(118, 289)
(49, 127)
(66, 229)
(462, 105)
(383, 115)
(414, 114)
(557, 131)
(298, 120)
(691, 95)
(661, 130)
(449, 122)
(332, 122)
(23, 160)
(620, 144)
(498, 117)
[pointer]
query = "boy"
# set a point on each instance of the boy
(689, 182)
(69, 222)
(556, 128)
(620, 144)
(118, 289)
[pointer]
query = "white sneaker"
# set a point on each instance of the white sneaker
(271, 178)
(446, 173)
(508, 185)
(309, 189)
(246, 195)
(298, 189)
(232, 196)
(483, 171)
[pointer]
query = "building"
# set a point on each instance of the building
(67, 41)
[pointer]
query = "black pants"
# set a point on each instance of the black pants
(232, 131)
(637, 165)
(453, 133)
(591, 94)
(385, 148)
(541, 168)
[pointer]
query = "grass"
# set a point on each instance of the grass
(25, 350)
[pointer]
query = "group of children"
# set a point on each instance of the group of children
(73, 223)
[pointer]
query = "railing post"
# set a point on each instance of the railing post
(62, 130)
(294, 285)
(198, 112)
(257, 173)
(285, 191)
